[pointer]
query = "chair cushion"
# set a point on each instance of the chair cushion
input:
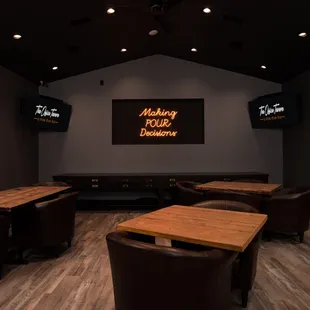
(42, 204)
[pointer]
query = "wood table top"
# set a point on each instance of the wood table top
(222, 229)
(255, 188)
(15, 197)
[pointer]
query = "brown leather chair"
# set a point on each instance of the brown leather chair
(147, 276)
(248, 181)
(187, 195)
(288, 211)
(4, 240)
(250, 199)
(246, 264)
(51, 183)
(45, 224)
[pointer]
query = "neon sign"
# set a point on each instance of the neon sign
(156, 119)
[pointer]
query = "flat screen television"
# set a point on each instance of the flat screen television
(279, 110)
(46, 113)
(158, 121)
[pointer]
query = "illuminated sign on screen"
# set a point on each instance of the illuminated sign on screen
(158, 121)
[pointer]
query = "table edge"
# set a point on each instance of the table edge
(19, 205)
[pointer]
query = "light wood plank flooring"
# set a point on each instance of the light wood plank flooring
(81, 279)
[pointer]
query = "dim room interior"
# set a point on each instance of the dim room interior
(155, 155)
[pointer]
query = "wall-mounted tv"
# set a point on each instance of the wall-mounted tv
(158, 121)
(46, 113)
(279, 110)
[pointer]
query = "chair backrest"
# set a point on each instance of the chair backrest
(227, 205)
(4, 238)
(187, 195)
(248, 259)
(248, 181)
(56, 219)
(250, 199)
(288, 210)
(147, 276)
(51, 183)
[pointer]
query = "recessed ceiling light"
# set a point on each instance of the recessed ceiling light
(123, 50)
(303, 34)
(207, 10)
(194, 49)
(263, 67)
(153, 32)
(17, 36)
(55, 68)
(110, 11)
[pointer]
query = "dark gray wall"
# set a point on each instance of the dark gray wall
(19, 145)
(296, 140)
(231, 144)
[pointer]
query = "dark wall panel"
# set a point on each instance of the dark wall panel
(296, 140)
(19, 144)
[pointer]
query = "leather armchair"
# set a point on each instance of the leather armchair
(45, 224)
(4, 240)
(51, 183)
(187, 195)
(250, 199)
(152, 277)
(245, 267)
(288, 211)
(248, 181)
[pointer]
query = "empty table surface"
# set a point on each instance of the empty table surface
(255, 188)
(222, 229)
(15, 197)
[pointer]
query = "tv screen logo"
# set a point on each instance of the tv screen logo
(43, 111)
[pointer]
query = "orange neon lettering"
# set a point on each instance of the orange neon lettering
(157, 133)
(159, 112)
(157, 122)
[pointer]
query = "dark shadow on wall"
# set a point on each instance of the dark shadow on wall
(19, 143)
(296, 140)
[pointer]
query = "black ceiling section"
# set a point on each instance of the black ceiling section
(79, 36)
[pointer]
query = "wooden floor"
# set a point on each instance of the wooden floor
(81, 279)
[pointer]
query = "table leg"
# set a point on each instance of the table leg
(163, 241)
(161, 198)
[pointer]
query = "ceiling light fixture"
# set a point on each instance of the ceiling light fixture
(110, 11)
(263, 67)
(153, 32)
(207, 10)
(123, 50)
(194, 49)
(17, 36)
(303, 34)
(55, 68)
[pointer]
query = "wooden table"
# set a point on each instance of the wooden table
(222, 229)
(15, 197)
(254, 188)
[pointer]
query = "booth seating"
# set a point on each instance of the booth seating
(152, 277)
(4, 240)
(45, 224)
(187, 195)
(288, 211)
(246, 264)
